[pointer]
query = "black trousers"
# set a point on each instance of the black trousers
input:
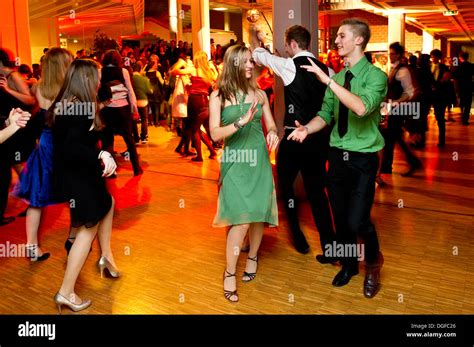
(393, 134)
(439, 106)
(5, 180)
(309, 158)
(465, 101)
(143, 111)
(118, 120)
(351, 192)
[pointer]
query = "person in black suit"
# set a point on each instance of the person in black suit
(464, 76)
(304, 95)
(441, 77)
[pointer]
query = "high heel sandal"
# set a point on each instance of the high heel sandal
(251, 275)
(230, 293)
(61, 300)
(103, 264)
(32, 253)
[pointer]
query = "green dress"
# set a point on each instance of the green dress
(246, 187)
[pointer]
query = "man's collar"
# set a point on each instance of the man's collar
(359, 66)
(304, 54)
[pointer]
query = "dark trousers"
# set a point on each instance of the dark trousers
(393, 135)
(118, 120)
(465, 101)
(309, 158)
(439, 107)
(351, 192)
(143, 112)
(5, 180)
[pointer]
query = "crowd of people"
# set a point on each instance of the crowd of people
(59, 119)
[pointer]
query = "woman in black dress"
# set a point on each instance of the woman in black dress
(80, 168)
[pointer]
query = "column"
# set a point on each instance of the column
(180, 21)
(15, 29)
(173, 16)
(201, 26)
(396, 28)
(428, 42)
(226, 21)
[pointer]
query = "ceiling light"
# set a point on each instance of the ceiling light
(220, 8)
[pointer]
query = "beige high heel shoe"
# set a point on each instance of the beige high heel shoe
(103, 264)
(61, 300)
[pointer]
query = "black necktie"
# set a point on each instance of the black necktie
(342, 123)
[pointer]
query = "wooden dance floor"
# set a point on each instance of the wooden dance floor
(172, 259)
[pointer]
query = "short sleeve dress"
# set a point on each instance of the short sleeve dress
(79, 170)
(246, 185)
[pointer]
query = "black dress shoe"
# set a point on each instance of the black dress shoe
(344, 276)
(326, 260)
(372, 277)
(413, 167)
(301, 246)
(6, 220)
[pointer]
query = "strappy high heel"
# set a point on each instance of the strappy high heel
(251, 275)
(230, 293)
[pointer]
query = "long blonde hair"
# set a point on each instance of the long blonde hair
(53, 71)
(233, 78)
(201, 61)
(81, 84)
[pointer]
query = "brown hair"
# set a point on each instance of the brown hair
(300, 34)
(80, 85)
(360, 28)
(233, 79)
(53, 71)
(112, 57)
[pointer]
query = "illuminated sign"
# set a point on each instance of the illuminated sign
(451, 13)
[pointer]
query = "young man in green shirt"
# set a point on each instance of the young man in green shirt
(353, 99)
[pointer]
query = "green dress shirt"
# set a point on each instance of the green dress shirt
(363, 135)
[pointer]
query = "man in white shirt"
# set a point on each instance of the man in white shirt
(400, 91)
(304, 95)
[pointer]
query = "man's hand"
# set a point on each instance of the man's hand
(254, 40)
(299, 134)
(320, 74)
(4, 84)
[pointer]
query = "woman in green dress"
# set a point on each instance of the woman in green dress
(247, 198)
